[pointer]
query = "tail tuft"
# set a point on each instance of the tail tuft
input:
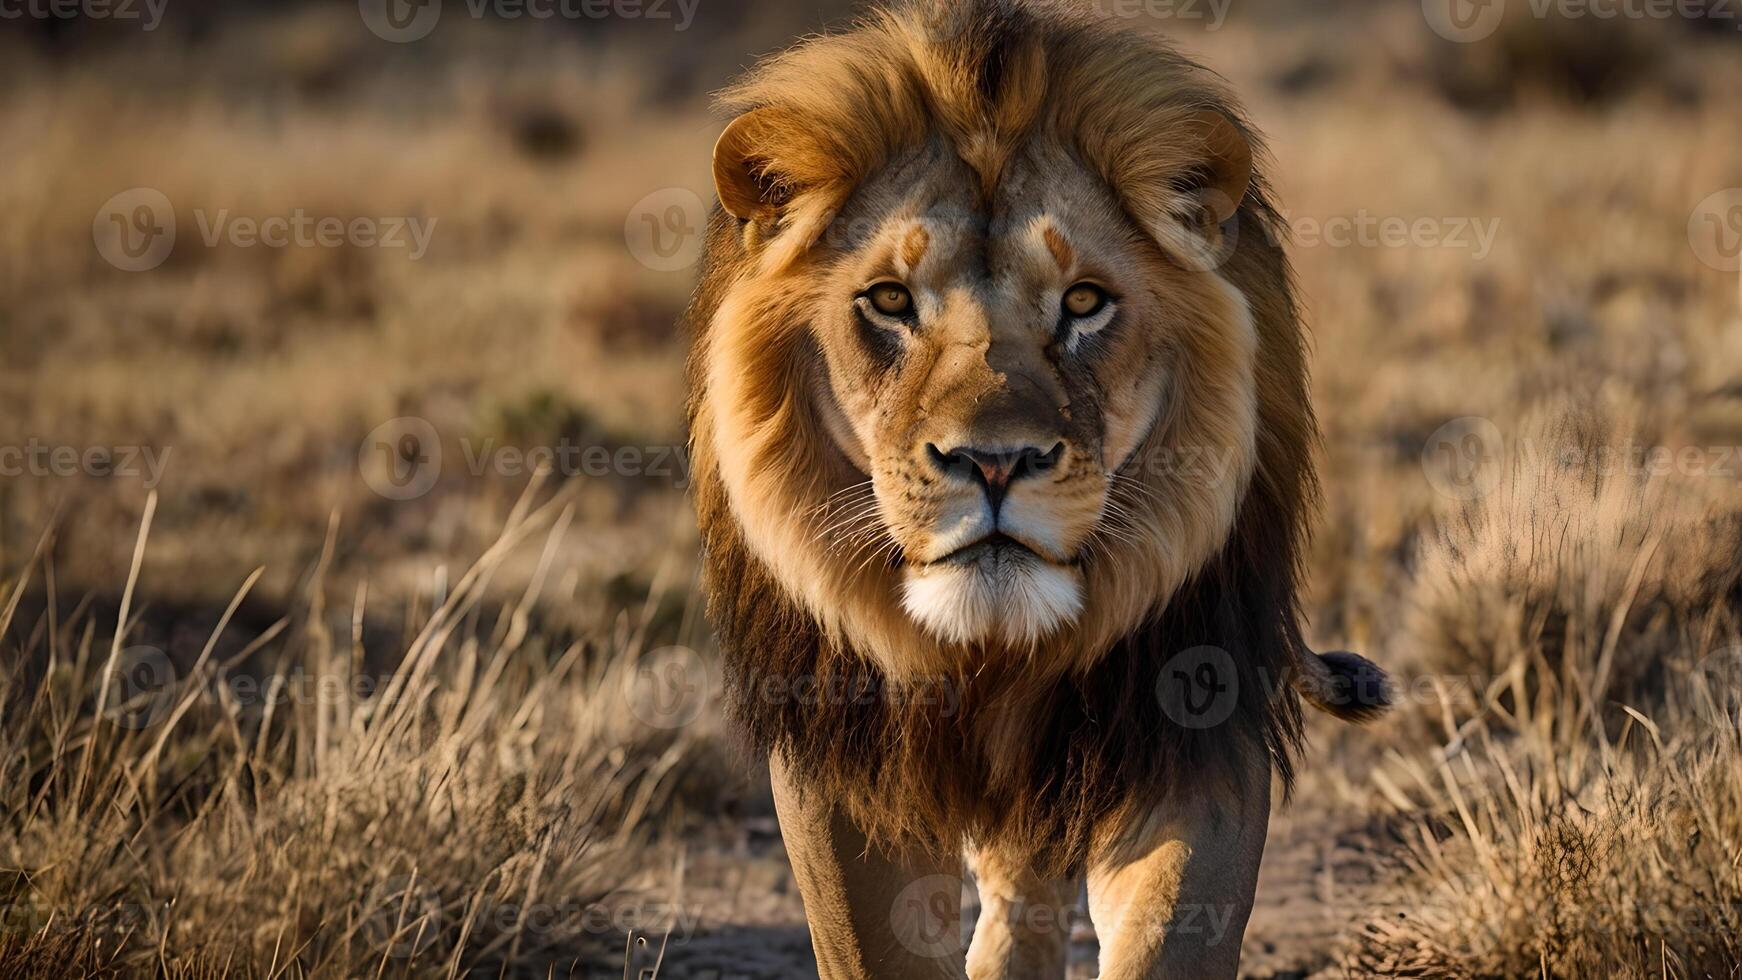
(1344, 685)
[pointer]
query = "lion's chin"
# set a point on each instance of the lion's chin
(1016, 598)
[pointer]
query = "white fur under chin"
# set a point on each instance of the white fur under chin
(1020, 604)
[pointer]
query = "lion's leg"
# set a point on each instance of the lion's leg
(874, 915)
(1178, 907)
(1024, 929)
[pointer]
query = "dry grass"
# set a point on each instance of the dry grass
(485, 802)
(1580, 814)
(1587, 569)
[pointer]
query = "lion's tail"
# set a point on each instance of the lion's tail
(1344, 685)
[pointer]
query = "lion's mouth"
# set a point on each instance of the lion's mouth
(996, 587)
(994, 549)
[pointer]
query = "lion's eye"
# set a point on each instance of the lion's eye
(1083, 299)
(891, 299)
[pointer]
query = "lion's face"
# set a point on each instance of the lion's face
(992, 369)
(980, 391)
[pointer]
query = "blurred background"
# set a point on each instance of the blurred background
(319, 288)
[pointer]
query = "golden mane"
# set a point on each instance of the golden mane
(988, 75)
(999, 752)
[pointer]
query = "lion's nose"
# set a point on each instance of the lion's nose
(994, 469)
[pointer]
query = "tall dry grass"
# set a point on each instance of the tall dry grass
(1580, 810)
(487, 805)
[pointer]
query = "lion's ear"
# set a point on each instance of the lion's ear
(747, 190)
(1191, 214)
(1224, 170)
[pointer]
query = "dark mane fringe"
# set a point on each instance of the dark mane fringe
(1096, 751)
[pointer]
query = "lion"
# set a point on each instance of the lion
(1003, 465)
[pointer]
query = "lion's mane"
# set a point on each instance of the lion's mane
(1041, 759)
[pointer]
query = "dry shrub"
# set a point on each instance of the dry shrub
(1582, 814)
(1594, 560)
(1626, 868)
(483, 807)
(1580, 59)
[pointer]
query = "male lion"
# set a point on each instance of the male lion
(1002, 463)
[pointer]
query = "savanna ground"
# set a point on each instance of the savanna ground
(365, 716)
